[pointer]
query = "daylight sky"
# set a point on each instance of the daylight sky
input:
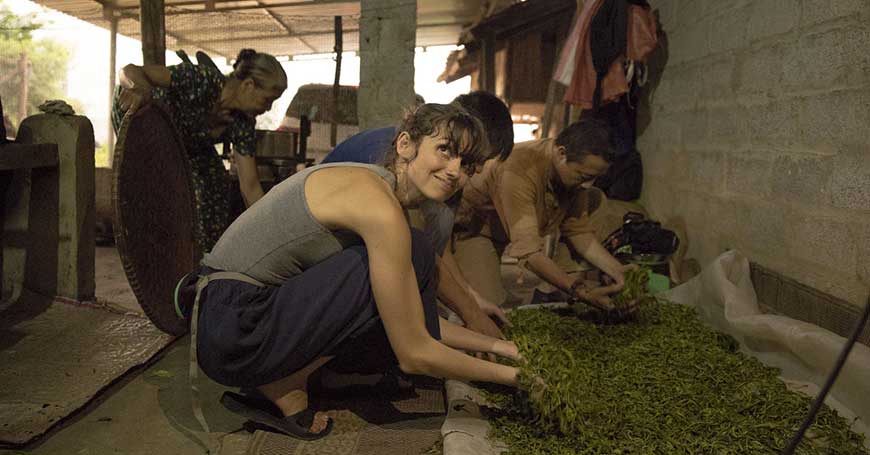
(88, 75)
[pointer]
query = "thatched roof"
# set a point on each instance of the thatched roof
(315, 101)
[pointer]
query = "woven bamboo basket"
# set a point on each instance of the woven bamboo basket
(153, 200)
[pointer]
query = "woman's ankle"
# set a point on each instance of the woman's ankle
(290, 403)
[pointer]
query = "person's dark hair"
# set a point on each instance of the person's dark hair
(496, 119)
(463, 131)
(587, 136)
(264, 69)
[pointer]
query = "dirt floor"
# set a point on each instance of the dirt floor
(148, 409)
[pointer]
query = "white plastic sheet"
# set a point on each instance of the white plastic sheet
(806, 353)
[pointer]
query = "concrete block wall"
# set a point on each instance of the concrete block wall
(387, 40)
(759, 135)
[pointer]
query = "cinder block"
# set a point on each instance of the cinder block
(759, 71)
(776, 124)
(666, 13)
(726, 215)
(662, 132)
(765, 227)
(718, 6)
(707, 171)
(803, 179)
(729, 30)
(689, 42)
(661, 199)
(818, 11)
(822, 241)
(689, 12)
(749, 174)
(695, 128)
(387, 31)
(830, 59)
(773, 17)
(720, 81)
(728, 126)
(680, 176)
(685, 85)
(657, 162)
(850, 180)
(862, 241)
(837, 119)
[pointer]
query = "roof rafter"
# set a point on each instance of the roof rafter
(287, 27)
(109, 4)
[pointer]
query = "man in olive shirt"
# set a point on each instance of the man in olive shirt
(543, 191)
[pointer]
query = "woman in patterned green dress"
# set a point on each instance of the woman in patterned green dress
(208, 108)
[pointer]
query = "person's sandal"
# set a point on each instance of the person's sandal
(264, 413)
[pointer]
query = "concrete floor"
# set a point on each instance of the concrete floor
(148, 411)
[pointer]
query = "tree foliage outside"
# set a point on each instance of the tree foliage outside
(47, 62)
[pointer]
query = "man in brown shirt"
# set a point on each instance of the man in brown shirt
(543, 191)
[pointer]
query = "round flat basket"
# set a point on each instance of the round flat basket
(153, 200)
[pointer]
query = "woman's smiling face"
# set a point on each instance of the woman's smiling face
(436, 168)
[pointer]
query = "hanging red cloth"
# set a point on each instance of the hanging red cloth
(641, 41)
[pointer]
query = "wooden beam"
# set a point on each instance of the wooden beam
(307, 34)
(127, 14)
(26, 156)
(286, 26)
(333, 127)
(153, 25)
(206, 3)
(487, 64)
(113, 55)
(283, 5)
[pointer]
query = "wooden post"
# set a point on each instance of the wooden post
(153, 25)
(113, 54)
(333, 128)
(23, 68)
(487, 64)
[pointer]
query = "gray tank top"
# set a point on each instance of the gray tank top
(278, 238)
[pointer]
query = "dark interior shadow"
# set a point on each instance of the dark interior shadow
(26, 307)
(656, 65)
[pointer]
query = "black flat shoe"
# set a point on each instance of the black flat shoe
(263, 413)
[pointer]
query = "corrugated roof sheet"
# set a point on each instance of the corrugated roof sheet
(303, 28)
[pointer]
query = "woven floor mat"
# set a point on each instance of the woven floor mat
(400, 425)
(57, 356)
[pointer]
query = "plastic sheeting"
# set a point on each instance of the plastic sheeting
(725, 299)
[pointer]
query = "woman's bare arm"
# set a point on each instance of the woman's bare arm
(359, 200)
(249, 178)
(458, 337)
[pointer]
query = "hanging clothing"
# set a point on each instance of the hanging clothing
(599, 74)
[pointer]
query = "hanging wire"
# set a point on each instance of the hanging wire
(820, 398)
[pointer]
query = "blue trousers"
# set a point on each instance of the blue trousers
(251, 335)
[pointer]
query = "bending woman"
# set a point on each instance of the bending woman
(326, 265)
(209, 108)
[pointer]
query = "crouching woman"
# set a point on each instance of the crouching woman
(326, 265)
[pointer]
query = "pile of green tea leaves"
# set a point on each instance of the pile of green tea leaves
(662, 383)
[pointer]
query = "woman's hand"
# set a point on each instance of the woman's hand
(136, 83)
(507, 349)
(130, 100)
